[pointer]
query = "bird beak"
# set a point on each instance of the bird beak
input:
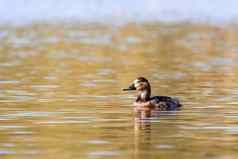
(130, 88)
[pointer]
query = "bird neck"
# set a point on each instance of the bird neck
(144, 95)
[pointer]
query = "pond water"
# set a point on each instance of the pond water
(60, 91)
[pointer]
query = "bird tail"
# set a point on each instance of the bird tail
(178, 102)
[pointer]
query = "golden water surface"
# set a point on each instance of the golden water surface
(61, 98)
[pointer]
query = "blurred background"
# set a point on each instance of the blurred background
(63, 65)
(111, 11)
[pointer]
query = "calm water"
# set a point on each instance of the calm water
(60, 91)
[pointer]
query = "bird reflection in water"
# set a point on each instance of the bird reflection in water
(147, 132)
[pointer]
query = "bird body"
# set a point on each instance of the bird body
(144, 101)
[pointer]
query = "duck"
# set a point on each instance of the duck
(144, 102)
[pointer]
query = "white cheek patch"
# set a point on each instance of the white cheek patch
(136, 83)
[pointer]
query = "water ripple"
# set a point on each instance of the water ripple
(104, 153)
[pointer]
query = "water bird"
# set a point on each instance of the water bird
(144, 101)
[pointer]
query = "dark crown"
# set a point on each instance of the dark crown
(142, 79)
